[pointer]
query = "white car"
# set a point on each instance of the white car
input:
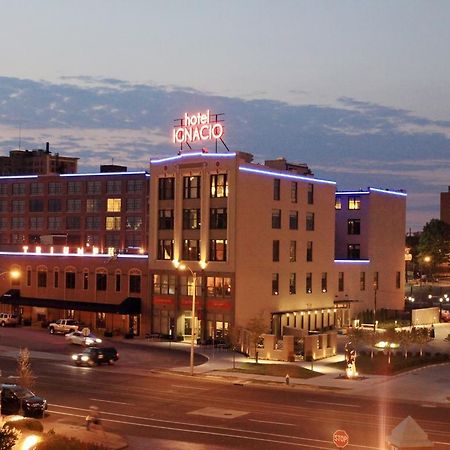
(78, 338)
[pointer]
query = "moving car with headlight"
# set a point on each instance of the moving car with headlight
(80, 338)
(94, 356)
(16, 399)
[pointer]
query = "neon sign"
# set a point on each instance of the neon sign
(197, 127)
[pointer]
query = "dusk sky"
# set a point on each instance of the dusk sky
(359, 90)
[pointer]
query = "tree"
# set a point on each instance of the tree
(405, 339)
(371, 337)
(8, 437)
(26, 377)
(435, 242)
(256, 327)
(421, 337)
(356, 336)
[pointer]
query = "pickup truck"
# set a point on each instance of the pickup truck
(63, 326)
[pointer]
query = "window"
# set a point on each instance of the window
(294, 190)
(94, 187)
(275, 251)
(74, 187)
(134, 204)
(292, 283)
(218, 218)
(166, 188)
(191, 187)
(112, 240)
(324, 284)
(36, 205)
(397, 280)
(56, 278)
(101, 281)
(187, 286)
(276, 218)
(37, 189)
(93, 222)
(134, 240)
(191, 219)
(112, 223)
(17, 238)
(341, 282)
(218, 250)
(3, 189)
(308, 284)
(54, 188)
(338, 203)
(54, 223)
(309, 221)
(135, 185)
(36, 223)
(70, 280)
(18, 188)
(218, 286)
(292, 251)
(114, 186)
(362, 281)
(42, 278)
(309, 251)
(113, 204)
(54, 205)
(18, 206)
(92, 205)
(275, 282)
(375, 280)
(118, 281)
(165, 249)
(165, 219)
(353, 226)
(353, 251)
(191, 250)
(276, 189)
(73, 222)
(219, 185)
(134, 223)
(28, 277)
(74, 205)
(164, 284)
(3, 226)
(3, 206)
(310, 194)
(85, 280)
(135, 284)
(18, 223)
(293, 220)
(354, 203)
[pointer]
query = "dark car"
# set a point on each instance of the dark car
(95, 356)
(16, 399)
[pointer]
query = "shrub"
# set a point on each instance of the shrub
(26, 424)
(57, 442)
(8, 437)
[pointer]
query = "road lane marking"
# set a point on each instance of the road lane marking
(109, 401)
(185, 386)
(335, 404)
(274, 423)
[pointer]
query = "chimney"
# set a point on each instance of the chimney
(47, 147)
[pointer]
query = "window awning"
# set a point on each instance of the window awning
(131, 305)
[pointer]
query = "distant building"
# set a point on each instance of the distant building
(445, 206)
(36, 162)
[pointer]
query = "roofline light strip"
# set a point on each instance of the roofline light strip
(283, 175)
(352, 261)
(84, 255)
(174, 158)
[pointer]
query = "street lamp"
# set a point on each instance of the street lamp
(440, 308)
(183, 266)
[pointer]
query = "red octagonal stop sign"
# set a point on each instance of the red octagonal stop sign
(340, 438)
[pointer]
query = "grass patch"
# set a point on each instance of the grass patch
(275, 370)
(379, 365)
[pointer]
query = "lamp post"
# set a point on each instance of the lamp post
(440, 308)
(183, 266)
(375, 289)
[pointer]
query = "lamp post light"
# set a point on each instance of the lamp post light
(183, 266)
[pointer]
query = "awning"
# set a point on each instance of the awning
(131, 305)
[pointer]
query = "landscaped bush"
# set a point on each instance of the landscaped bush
(25, 424)
(58, 442)
(8, 438)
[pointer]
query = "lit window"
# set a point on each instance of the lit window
(112, 223)
(354, 203)
(114, 205)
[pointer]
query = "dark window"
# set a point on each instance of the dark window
(114, 186)
(310, 194)
(70, 280)
(397, 280)
(219, 185)
(166, 188)
(135, 284)
(353, 226)
(341, 281)
(56, 279)
(165, 249)
(292, 283)
(73, 222)
(54, 205)
(166, 219)
(276, 218)
(353, 251)
(324, 282)
(218, 250)
(293, 251)
(362, 281)
(375, 280)
(191, 219)
(85, 280)
(36, 205)
(218, 218)
(275, 283)
(191, 250)
(101, 281)
(118, 282)
(293, 220)
(310, 221)
(135, 185)
(191, 187)
(42, 278)
(294, 196)
(276, 189)
(308, 283)
(275, 251)
(309, 251)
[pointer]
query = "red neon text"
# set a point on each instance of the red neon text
(197, 128)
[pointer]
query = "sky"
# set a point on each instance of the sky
(361, 87)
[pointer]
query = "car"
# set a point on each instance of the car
(63, 326)
(16, 399)
(79, 338)
(93, 356)
(7, 319)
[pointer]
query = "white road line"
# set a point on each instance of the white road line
(185, 386)
(334, 404)
(274, 423)
(109, 401)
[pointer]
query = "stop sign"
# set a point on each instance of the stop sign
(340, 438)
